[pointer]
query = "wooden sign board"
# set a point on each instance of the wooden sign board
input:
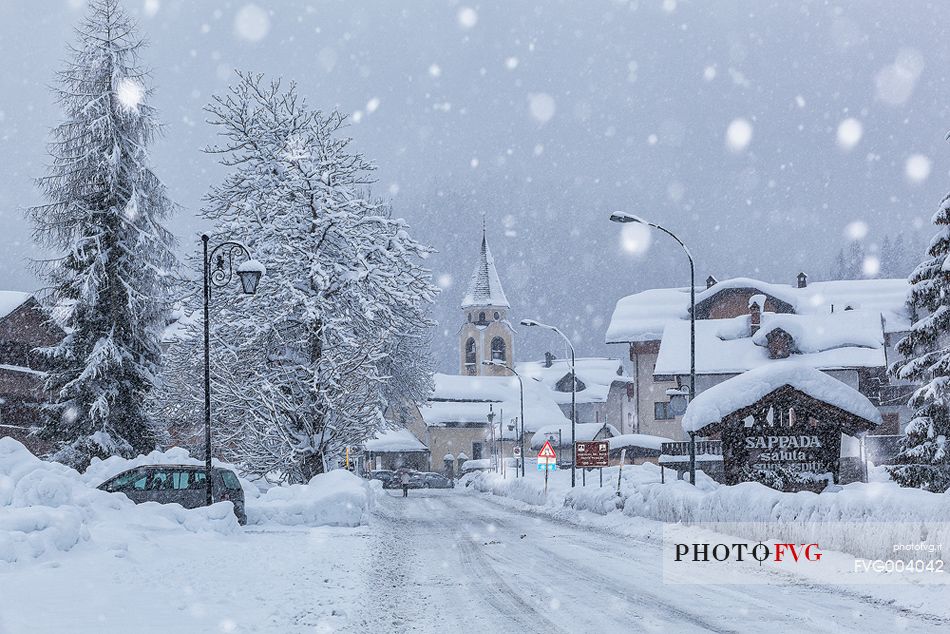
(592, 455)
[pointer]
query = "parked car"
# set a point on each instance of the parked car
(434, 480)
(178, 484)
(383, 475)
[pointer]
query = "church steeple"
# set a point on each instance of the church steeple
(484, 288)
(486, 333)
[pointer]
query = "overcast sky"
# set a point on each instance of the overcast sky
(768, 134)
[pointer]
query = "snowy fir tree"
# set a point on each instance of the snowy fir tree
(102, 216)
(924, 459)
(338, 330)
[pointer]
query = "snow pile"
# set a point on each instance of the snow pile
(817, 333)
(336, 498)
(864, 520)
(47, 508)
(712, 405)
(644, 441)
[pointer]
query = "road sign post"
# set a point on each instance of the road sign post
(547, 461)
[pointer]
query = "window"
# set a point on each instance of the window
(481, 317)
(497, 315)
(498, 349)
(662, 411)
(127, 482)
(230, 480)
(161, 480)
(476, 451)
(470, 351)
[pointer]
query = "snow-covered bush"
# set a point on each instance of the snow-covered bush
(858, 518)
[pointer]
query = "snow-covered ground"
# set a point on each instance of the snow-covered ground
(439, 561)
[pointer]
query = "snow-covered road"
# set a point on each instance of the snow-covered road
(439, 561)
(450, 563)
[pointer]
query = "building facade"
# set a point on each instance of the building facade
(845, 328)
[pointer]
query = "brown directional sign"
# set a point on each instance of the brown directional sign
(592, 454)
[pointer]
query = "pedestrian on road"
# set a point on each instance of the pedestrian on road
(404, 479)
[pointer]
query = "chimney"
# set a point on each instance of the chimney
(802, 280)
(549, 359)
(711, 281)
(756, 302)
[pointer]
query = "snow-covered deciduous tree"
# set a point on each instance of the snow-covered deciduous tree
(924, 459)
(337, 330)
(102, 216)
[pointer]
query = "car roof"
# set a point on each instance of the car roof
(189, 467)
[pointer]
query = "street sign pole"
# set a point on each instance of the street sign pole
(623, 457)
(546, 480)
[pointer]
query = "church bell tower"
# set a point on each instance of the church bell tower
(486, 334)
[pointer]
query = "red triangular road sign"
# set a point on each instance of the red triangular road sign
(547, 451)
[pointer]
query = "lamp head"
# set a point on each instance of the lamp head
(624, 217)
(250, 272)
(529, 322)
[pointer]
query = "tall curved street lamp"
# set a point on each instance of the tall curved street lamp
(219, 270)
(534, 323)
(521, 401)
(624, 217)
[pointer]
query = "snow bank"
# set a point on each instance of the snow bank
(48, 508)
(337, 498)
(864, 520)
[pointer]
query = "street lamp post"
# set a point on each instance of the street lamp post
(521, 403)
(532, 322)
(491, 427)
(624, 217)
(220, 274)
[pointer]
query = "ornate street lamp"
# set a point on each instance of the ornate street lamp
(219, 270)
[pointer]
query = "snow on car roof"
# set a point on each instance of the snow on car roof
(714, 404)
(643, 316)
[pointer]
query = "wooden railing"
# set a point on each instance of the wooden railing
(681, 448)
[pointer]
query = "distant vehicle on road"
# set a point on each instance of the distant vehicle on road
(178, 484)
(383, 475)
(434, 480)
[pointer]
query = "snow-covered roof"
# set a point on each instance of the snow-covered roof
(638, 440)
(714, 404)
(843, 339)
(485, 289)
(644, 315)
(11, 300)
(596, 373)
(394, 440)
(466, 400)
(584, 432)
